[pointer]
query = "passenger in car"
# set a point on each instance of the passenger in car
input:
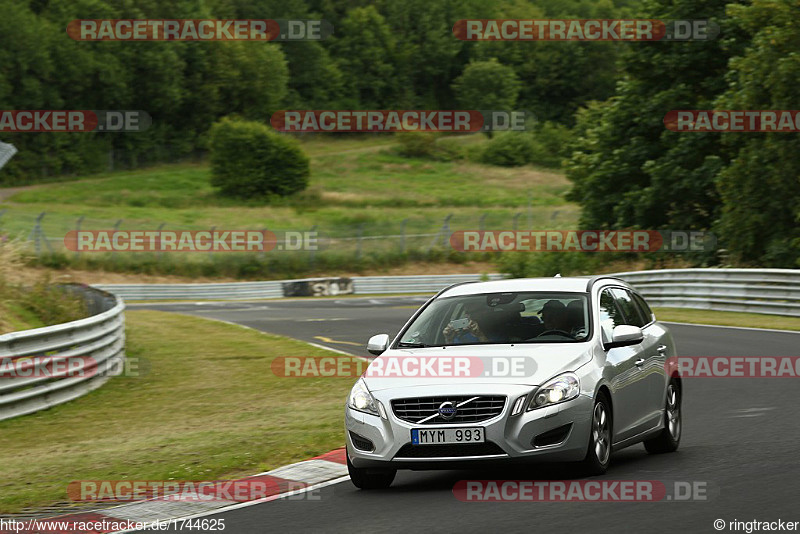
(576, 319)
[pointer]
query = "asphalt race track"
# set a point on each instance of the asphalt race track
(741, 437)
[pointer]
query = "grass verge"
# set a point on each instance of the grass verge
(722, 318)
(206, 407)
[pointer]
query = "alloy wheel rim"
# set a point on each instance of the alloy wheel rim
(601, 433)
(673, 412)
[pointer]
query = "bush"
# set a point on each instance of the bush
(549, 142)
(566, 263)
(509, 149)
(249, 160)
(416, 144)
(543, 146)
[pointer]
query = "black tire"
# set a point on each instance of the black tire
(598, 452)
(365, 479)
(670, 436)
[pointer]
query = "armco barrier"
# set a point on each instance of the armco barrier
(366, 285)
(362, 285)
(79, 356)
(768, 291)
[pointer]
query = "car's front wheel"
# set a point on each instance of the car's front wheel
(364, 478)
(598, 454)
(670, 436)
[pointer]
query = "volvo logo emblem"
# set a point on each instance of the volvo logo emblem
(447, 410)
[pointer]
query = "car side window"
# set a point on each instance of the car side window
(610, 316)
(632, 315)
(644, 308)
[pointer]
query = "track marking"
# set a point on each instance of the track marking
(329, 340)
(250, 503)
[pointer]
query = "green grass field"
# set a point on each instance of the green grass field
(721, 318)
(207, 407)
(353, 182)
(360, 192)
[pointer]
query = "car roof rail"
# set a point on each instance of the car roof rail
(451, 286)
(594, 279)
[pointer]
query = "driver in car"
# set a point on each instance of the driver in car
(554, 316)
(473, 333)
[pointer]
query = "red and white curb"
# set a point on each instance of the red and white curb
(284, 481)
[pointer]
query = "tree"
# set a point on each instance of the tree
(487, 85)
(627, 169)
(365, 50)
(760, 189)
(251, 161)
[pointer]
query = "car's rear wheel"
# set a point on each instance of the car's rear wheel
(598, 454)
(364, 478)
(670, 436)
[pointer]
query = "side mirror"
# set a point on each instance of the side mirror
(624, 336)
(378, 344)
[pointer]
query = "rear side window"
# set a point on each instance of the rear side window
(643, 307)
(633, 316)
(610, 315)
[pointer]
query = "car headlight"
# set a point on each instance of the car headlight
(559, 389)
(362, 400)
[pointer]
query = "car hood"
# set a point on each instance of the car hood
(526, 364)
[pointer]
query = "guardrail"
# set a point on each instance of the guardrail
(47, 366)
(361, 285)
(366, 285)
(222, 291)
(766, 291)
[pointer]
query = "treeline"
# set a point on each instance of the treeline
(383, 55)
(629, 171)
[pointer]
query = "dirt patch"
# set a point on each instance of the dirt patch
(8, 192)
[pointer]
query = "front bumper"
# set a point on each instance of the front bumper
(512, 436)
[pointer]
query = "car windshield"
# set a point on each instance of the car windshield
(524, 317)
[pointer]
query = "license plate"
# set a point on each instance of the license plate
(436, 436)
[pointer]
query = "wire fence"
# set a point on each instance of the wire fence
(45, 233)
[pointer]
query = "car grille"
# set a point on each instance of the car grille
(450, 450)
(483, 408)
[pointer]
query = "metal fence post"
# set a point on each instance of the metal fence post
(358, 241)
(116, 228)
(516, 218)
(403, 236)
(36, 234)
(263, 251)
(530, 210)
(312, 250)
(77, 234)
(211, 249)
(442, 233)
(160, 252)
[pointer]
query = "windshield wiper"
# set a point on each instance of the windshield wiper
(410, 345)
